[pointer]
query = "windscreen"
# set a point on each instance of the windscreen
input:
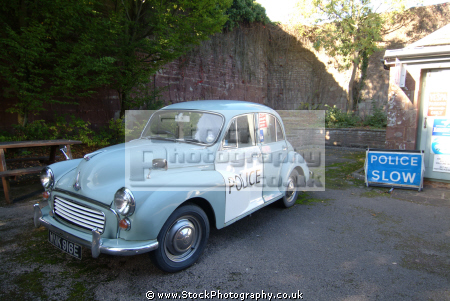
(184, 126)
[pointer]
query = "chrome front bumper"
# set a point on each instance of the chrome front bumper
(97, 244)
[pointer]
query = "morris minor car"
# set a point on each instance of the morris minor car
(196, 164)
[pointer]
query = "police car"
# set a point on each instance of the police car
(196, 165)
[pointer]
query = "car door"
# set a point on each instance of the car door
(239, 162)
(274, 151)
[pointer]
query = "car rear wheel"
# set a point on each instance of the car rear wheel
(291, 193)
(182, 239)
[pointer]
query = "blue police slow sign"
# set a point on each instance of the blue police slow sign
(394, 168)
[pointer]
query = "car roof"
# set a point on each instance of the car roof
(221, 105)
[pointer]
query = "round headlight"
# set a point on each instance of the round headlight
(47, 178)
(124, 202)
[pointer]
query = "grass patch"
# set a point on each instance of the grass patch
(78, 292)
(35, 262)
(36, 249)
(375, 193)
(30, 283)
(339, 175)
(425, 256)
(305, 199)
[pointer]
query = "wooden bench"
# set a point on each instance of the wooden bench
(6, 173)
(40, 159)
(22, 171)
(25, 171)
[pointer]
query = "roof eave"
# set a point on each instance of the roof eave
(417, 55)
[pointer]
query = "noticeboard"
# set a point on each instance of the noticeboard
(440, 137)
(394, 168)
(437, 104)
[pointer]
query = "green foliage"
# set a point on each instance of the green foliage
(36, 130)
(70, 128)
(335, 118)
(148, 98)
(348, 30)
(134, 131)
(152, 33)
(51, 49)
(5, 136)
(115, 132)
(378, 119)
(245, 11)
(74, 128)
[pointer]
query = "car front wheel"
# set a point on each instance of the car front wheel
(291, 193)
(182, 239)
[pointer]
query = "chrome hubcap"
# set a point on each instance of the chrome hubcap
(182, 238)
(290, 190)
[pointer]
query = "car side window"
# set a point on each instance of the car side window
(280, 135)
(267, 128)
(241, 132)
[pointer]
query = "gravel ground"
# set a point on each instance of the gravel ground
(345, 243)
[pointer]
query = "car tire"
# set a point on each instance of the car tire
(182, 239)
(291, 192)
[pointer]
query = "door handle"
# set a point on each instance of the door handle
(284, 148)
(425, 123)
(256, 155)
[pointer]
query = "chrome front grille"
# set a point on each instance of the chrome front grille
(79, 215)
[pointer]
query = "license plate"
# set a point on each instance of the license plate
(65, 245)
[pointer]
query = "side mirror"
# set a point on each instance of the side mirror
(64, 151)
(159, 164)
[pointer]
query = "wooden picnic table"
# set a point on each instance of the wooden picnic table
(5, 173)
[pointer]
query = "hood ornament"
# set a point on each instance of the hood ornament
(89, 156)
(77, 185)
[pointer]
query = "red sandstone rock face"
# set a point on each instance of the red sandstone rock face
(260, 64)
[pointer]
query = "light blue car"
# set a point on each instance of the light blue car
(197, 164)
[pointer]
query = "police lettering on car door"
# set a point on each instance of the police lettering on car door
(243, 171)
(244, 180)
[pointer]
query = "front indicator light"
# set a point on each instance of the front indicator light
(125, 224)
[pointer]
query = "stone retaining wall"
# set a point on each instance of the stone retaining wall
(360, 138)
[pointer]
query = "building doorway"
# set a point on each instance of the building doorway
(434, 123)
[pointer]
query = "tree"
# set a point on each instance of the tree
(152, 33)
(349, 30)
(52, 51)
(245, 11)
